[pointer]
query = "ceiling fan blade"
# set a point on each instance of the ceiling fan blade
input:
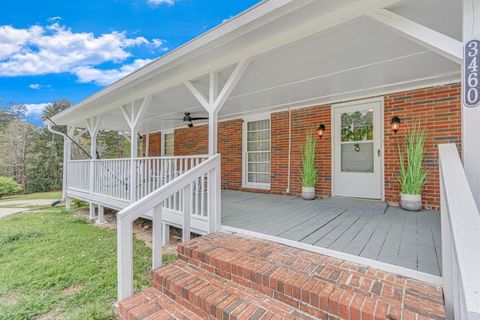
(200, 118)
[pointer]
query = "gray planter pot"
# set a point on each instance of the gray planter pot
(308, 193)
(411, 202)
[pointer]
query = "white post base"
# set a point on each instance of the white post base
(165, 234)
(101, 217)
(68, 203)
(92, 214)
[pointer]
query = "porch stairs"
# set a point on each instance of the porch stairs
(225, 276)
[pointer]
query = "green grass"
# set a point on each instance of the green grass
(54, 195)
(53, 263)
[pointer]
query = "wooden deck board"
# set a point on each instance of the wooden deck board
(368, 229)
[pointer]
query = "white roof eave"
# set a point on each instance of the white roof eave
(180, 54)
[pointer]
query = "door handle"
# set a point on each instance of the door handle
(378, 152)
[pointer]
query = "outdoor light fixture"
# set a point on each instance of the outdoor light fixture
(321, 130)
(395, 124)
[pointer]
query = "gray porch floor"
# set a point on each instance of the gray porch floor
(369, 229)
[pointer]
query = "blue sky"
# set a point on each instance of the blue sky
(53, 50)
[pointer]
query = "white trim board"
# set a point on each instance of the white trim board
(245, 120)
(409, 273)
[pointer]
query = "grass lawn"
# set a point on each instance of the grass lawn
(54, 195)
(54, 265)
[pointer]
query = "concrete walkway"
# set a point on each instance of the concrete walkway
(16, 206)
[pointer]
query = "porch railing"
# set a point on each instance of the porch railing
(113, 178)
(78, 174)
(460, 238)
(208, 172)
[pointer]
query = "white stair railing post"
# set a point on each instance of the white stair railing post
(125, 258)
(187, 209)
(157, 237)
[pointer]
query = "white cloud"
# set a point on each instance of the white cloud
(105, 77)
(42, 50)
(37, 86)
(35, 108)
(160, 2)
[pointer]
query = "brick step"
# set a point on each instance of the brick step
(314, 283)
(151, 304)
(213, 297)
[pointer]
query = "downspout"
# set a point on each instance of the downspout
(64, 178)
(289, 147)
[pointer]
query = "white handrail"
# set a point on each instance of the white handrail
(460, 238)
(154, 201)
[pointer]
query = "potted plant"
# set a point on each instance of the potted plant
(412, 174)
(309, 172)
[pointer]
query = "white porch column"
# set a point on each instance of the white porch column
(67, 156)
(92, 127)
(213, 105)
(471, 115)
(133, 116)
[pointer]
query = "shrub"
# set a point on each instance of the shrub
(309, 173)
(8, 186)
(412, 175)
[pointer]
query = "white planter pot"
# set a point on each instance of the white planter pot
(411, 202)
(308, 193)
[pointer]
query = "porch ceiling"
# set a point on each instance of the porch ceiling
(355, 59)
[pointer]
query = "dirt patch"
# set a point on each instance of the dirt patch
(72, 290)
(142, 229)
(50, 316)
(10, 299)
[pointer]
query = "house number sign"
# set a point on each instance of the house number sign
(471, 93)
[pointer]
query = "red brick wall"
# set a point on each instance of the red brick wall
(437, 109)
(190, 141)
(302, 121)
(155, 145)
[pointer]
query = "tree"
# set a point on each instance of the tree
(15, 134)
(44, 158)
(8, 186)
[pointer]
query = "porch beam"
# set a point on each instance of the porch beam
(197, 94)
(232, 81)
(440, 43)
(471, 115)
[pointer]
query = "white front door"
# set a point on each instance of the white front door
(357, 149)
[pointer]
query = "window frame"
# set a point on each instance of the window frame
(164, 133)
(245, 182)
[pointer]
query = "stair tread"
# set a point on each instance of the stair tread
(215, 297)
(298, 276)
(152, 304)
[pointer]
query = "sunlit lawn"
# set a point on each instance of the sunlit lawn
(55, 265)
(54, 195)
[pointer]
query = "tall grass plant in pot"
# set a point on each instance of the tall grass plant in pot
(412, 174)
(309, 171)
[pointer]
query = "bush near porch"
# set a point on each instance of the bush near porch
(54, 265)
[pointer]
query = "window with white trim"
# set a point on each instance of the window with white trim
(169, 144)
(257, 153)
